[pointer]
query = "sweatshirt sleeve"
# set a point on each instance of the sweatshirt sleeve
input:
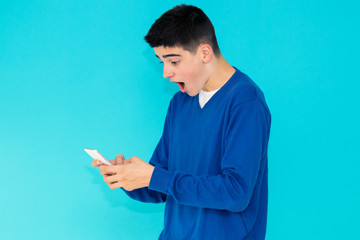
(246, 139)
(160, 159)
(145, 194)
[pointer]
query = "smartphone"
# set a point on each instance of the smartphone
(96, 155)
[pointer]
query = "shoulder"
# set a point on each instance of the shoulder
(241, 89)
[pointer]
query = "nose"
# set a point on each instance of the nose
(167, 72)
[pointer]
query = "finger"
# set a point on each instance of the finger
(109, 179)
(115, 185)
(115, 162)
(96, 163)
(107, 170)
(112, 178)
(119, 159)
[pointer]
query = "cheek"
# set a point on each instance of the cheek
(190, 77)
(192, 74)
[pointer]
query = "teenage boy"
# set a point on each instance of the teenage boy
(210, 165)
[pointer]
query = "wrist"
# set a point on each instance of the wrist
(149, 174)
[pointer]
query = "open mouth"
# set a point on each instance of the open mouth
(182, 86)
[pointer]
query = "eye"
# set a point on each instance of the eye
(175, 62)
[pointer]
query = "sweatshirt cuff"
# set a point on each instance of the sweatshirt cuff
(160, 180)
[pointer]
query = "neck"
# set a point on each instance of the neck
(220, 74)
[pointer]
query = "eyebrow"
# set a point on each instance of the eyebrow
(169, 55)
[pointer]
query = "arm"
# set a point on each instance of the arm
(241, 164)
(145, 194)
(159, 159)
(134, 176)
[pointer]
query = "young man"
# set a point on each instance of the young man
(210, 166)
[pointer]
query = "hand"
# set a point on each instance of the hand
(119, 159)
(133, 174)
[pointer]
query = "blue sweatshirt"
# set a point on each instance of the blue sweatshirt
(211, 165)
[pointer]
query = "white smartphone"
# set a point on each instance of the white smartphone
(96, 155)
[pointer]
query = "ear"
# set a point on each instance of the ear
(206, 52)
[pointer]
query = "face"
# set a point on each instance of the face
(183, 67)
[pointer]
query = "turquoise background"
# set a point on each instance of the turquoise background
(77, 74)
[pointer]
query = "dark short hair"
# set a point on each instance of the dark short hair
(183, 26)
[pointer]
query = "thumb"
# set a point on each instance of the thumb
(119, 159)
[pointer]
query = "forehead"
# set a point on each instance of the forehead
(170, 52)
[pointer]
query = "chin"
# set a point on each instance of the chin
(192, 94)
